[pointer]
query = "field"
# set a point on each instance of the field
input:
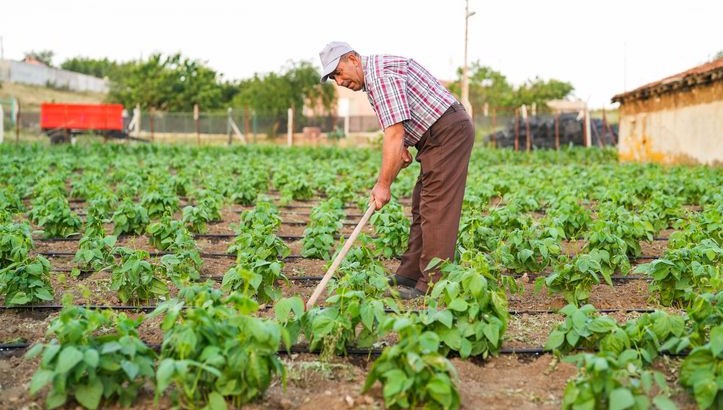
(128, 272)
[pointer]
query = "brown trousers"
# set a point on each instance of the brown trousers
(443, 152)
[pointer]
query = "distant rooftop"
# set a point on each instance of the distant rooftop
(696, 76)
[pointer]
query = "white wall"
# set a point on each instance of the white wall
(22, 73)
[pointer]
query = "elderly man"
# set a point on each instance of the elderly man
(414, 109)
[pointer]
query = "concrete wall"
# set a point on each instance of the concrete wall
(675, 128)
(22, 73)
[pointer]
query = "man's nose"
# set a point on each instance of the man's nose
(338, 80)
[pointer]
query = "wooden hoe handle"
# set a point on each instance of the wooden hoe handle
(340, 257)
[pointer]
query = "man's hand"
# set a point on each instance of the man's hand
(380, 195)
(406, 157)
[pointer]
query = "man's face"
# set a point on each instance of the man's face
(349, 73)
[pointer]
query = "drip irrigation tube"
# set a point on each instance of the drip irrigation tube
(150, 308)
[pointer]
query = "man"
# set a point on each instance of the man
(414, 109)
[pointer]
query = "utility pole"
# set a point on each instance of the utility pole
(465, 79)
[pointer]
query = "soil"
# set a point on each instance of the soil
(507, 381)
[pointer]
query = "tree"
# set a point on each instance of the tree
(487, 85)
(100, 68)
(44, 56)
(539, 92)
(166, 83)
(296, 86)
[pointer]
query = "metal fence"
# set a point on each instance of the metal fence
(498, 127)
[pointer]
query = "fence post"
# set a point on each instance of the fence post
(494, 127)
(528, 137)
(151, 111)
(137, 123)
(253, 118)
(196, 120)
(228, 125)
(17, 124)
(557, 131)
(2, 124)
(290, 131)
(586, 119)
(517, 128)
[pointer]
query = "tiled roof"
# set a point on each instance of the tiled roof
(700, 75)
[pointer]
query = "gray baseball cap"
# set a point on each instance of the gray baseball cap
(330, 56)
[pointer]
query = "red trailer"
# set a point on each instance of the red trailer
(62, 121)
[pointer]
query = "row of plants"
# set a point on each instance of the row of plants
(619, 374)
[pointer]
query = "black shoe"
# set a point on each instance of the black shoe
(407, 293)
(400, 280)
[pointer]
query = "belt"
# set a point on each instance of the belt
(455, 107)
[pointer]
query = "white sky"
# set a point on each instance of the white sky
(601, 47)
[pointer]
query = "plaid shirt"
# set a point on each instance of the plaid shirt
(401, 90)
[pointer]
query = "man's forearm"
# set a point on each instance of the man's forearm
(392, 160)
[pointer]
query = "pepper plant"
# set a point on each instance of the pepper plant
(214, 349)
(130, 218)
(92, 356)
(135, 279)
(582, 328)
(26, 281)
(467, 311)
(413, 372)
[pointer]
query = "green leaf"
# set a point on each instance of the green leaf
(91, 357)
(89, 394)
(458, 304)
(130, 368)
(164, 374)
(216, 402)
(621, 398)
(68, 358)
(664, 403)
(555, 340)
(41, 378)
(705, 393)
(716, 341)
(492, 332)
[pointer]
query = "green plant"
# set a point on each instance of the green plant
(94, 355)
(167, 233)
(135, 279)
(214, 348)
(159, 202)
(616, 382)
(324, 224)
(570, 216)
(26, 281)
(468, 312)
(196, 218)
(684, 272)
(391, 228)
(603, 237)
(702, 371)
(413, 372)
(349, 318)
(16, 242)
(55, 217)
(182, 267)
(582, 328)
(95, 251)
(530, 250)
(130, 218)
(575, 278)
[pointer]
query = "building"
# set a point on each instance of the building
(678, 119)
(31, 71)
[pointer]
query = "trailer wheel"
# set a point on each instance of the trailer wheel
(59, 136)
